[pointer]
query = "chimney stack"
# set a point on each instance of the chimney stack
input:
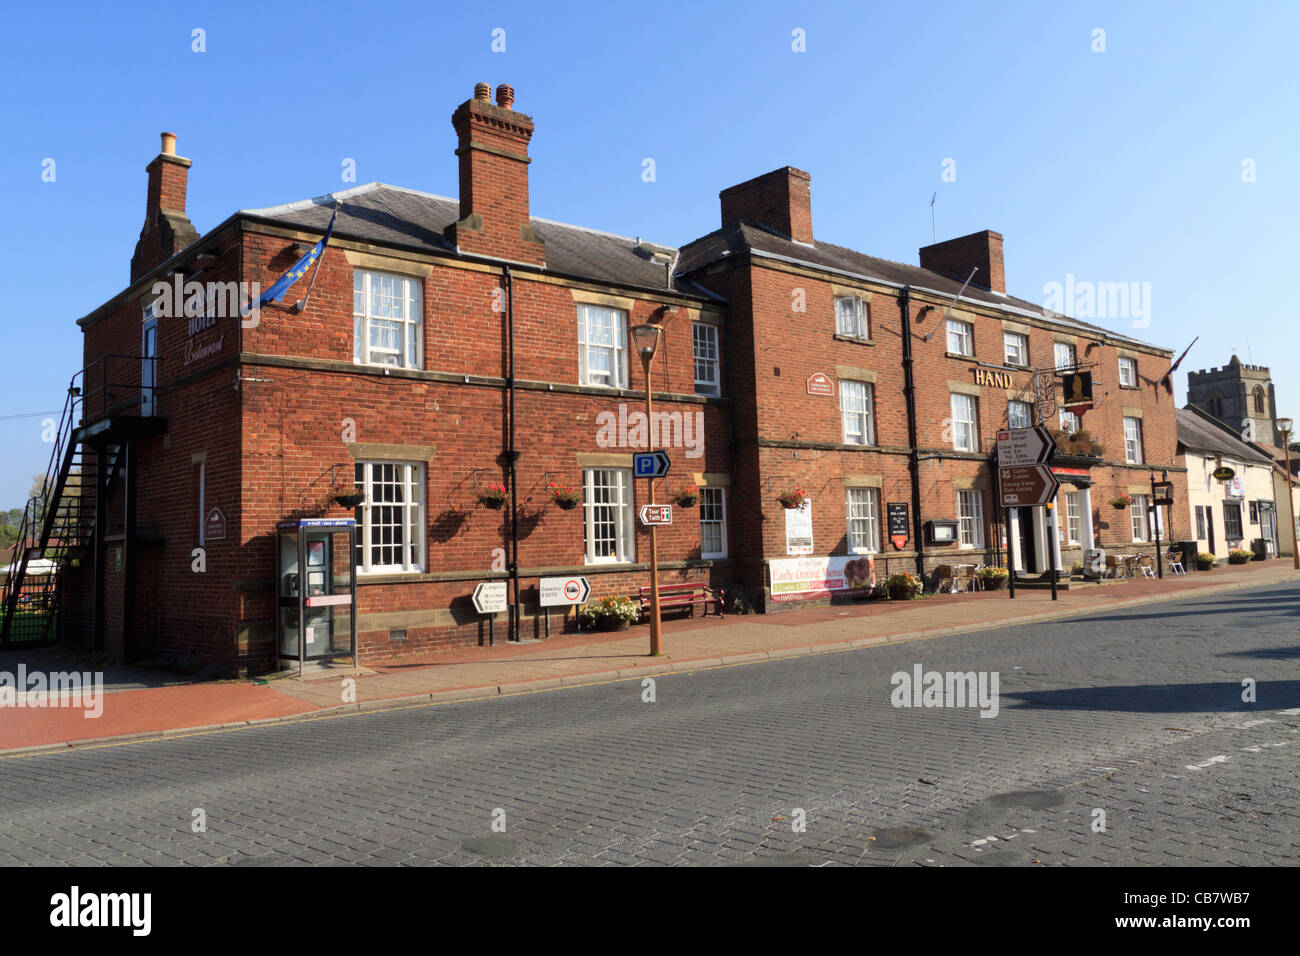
(955, 257)
(166, 230)
(493, 150)
(780, 200)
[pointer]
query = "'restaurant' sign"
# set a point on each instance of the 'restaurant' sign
(797, 579)
(820, 384)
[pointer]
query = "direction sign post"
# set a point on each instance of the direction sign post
(1025, 446)
(652, 515)
(490, 598)
(651, 464)
(562, 592)
(1027, 486)
(1026, 481)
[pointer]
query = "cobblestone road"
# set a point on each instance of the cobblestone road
(1137, 713)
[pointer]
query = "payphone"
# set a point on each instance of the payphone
(316, 594)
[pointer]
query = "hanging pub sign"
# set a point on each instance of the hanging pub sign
(1223, 473)
(898, 524)
(1076, 391)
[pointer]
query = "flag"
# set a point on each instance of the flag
(1168, 380)
(282, 285)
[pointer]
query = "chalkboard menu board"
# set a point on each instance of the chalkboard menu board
(898, 524)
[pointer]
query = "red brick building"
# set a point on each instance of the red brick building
(429, 320)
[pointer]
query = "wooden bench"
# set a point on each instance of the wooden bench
(673, 597)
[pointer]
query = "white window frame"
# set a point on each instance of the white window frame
(616, 484)
(862, 516)
(852, 316)
(1133, 442)
(1241, 521)
(1019, 342)
(1139, 519)
(367, 297)
(1028, 418)
(1130, 366)
(970, 404)
(410, 479)
(1073, 516)
(590, 346)
(1200, 523)
(704, 342)
(970, 520)
(962, 335)
(1070, 422)
(1064, 355)
(718, 519)
(857, 423)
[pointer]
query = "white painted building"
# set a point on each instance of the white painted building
(1227, 512)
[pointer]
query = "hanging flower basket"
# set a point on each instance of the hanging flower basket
(686, 497)
(493, 496)
(566, 498)
(792, 500)
(350, 499)
(1121, 502)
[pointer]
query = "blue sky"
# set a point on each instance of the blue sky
(1116, 166)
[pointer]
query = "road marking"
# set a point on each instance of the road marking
(1220, 758)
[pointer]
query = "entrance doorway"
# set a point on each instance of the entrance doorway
(1028, 539)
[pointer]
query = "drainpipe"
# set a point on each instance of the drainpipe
(909, 398)
(512, 456)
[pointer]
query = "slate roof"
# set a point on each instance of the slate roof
(394, 216)
(739, 238)
(1201, 432)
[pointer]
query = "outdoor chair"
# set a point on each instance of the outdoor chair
(1114, 569)
(1147, 566)
(967, 581)
(1175, 561)
(942, 573)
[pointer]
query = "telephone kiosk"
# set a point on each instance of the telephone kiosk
(316, 574)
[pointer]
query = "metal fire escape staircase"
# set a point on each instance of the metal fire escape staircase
(62, 528)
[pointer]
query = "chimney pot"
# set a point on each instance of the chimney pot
(506, 96)
(169, 144)
(483, 91)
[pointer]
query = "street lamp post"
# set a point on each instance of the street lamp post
(1284, 426)
(1166, 489)
(646, 339)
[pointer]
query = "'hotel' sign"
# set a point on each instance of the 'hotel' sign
(987, 376)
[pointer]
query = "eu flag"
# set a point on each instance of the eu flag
(282, 285)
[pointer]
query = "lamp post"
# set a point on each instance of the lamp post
(1165, 487)
(1285, 425)
(646, 339)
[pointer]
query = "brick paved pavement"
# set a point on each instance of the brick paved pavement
(1107, 711)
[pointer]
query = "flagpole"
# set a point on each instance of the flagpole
(302, 303)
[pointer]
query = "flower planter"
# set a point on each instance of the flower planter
(567, 504)
(349, 501)
(686, 501)
(993, 584)
(1204, 565)
(902, 593)
(612, 624)
(496, 504)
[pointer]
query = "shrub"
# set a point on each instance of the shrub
(1238, 556)
(903, 580)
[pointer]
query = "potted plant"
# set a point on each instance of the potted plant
(1076, 568)
(995, 579)
(1204, 561)
(493, 496)
(686, 497)
(1239, 556)
(614, 613)
(566, 497)
(792, 500)
(1120, 502)
(903, 586)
